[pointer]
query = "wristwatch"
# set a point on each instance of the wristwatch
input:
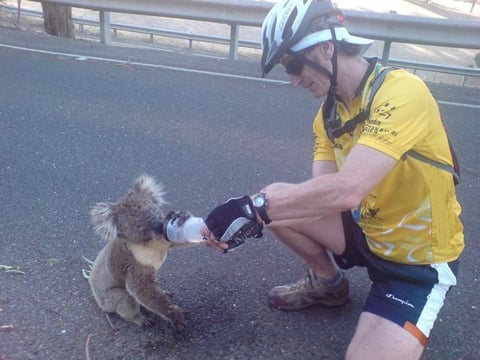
(260, 203)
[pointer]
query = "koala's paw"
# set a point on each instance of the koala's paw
(179, 216)
(177, 317)
(142, 320)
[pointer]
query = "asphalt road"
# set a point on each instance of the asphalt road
(75, 130)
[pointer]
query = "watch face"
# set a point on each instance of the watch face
(259, 201)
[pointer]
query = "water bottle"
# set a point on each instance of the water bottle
(189, 232)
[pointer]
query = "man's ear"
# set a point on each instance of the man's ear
(327, 49)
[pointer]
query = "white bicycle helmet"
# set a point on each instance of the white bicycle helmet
(297, 24)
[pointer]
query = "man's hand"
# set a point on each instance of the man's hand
(234, 221)
(220, 219)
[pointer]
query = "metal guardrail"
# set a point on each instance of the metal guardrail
(389, 28)
(232, 12)
(239, 12)
(151, 31)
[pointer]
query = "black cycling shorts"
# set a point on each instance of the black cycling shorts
(409, 295)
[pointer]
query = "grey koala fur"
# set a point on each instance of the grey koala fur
(123, 276)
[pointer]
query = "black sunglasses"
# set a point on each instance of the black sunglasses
(298, 61)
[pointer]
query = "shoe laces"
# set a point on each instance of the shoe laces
(306, 282)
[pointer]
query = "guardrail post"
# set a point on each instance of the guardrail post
(234, 30)
(105, 35)
(386, 52)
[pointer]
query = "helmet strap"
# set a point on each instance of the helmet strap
(333, 78)
(330, 105)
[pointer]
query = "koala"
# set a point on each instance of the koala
(123, 275)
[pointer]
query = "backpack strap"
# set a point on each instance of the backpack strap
(350, 125)
(454, 170)
(451, 169)
(363, 115)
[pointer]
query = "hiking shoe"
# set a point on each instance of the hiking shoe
(307, 292)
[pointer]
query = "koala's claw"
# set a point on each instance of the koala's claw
(179, 216)
(177, 317)
(141, 320)
(147, 321)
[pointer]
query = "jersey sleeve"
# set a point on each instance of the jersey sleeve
(399, 116)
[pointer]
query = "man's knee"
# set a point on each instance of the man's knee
(379, 338)
(326, 232)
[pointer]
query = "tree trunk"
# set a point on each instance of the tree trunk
(57, 20)
(473, 5)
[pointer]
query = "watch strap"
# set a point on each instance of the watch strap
(261, 210)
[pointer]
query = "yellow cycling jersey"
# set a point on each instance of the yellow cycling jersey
(412, 215)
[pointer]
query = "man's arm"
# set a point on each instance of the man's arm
(319, 168)
(331, 193)
(323, 167)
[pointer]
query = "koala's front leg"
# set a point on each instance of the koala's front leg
(180, 216)
(145, 290)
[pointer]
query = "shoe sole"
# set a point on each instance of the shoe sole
(329, 303)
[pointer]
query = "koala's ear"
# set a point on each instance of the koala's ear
(147, 184)
(103, 221)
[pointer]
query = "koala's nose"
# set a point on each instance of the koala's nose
(157, 226)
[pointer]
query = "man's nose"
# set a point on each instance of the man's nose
(295, 80)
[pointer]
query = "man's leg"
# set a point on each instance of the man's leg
(324, 283)
(379, 338)
(310, 241)
(401, 308)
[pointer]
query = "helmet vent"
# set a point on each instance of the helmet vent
(265, 40)
(287, 29)
(272, 30)
(266, 46)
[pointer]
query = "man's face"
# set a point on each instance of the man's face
(301, 73)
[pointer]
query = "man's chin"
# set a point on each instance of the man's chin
(317, 94)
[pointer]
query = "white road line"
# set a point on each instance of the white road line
(127, 62)
(471, 106)
(174, 68)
